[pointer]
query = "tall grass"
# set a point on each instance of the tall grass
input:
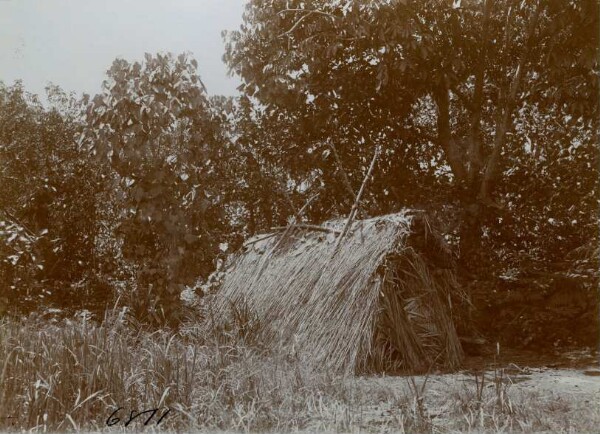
(73, 375)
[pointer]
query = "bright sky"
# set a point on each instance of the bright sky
(72, 43)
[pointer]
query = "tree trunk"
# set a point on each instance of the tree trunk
(470, 232)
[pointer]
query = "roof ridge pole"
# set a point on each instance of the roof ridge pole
(357, 201)
(307, 227)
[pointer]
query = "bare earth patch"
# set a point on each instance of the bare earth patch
(511, 399)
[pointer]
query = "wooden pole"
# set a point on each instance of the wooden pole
(357, 201)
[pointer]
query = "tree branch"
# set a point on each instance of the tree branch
(341, 169)
(504, 122)
(19, 222)
(474, 153)
(444, 137)
(302, 18)
(316, 11)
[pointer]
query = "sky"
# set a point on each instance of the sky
(71, 43)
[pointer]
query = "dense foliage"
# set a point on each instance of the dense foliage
(154, 126)
(461, 96)
(50, 216)
(487, 114)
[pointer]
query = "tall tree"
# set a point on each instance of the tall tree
(446, 83)
(155, 126)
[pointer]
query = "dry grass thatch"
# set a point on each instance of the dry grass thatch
(381, 301)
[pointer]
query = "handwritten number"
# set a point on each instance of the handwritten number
(162, 417)
(153, 413)
(113, 420)
(132, 417)
(110, 421)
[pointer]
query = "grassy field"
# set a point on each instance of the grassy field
(83, 376)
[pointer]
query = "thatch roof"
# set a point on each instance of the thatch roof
(375, 301)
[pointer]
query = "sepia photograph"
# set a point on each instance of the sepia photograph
(300, 216)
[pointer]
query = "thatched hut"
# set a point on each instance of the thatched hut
(380, 301)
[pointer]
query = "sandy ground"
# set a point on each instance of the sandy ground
(568, 397)
(580, 383)
(562, 381)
